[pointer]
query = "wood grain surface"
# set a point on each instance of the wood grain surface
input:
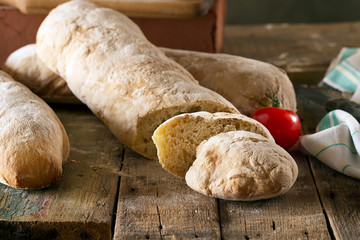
(157, 205)
(339, 194)
(81, 204)
(303, 50)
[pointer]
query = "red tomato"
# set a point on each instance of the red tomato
(284, 125)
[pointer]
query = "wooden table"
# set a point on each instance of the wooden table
(108, 191)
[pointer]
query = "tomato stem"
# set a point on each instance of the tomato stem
(274, 100)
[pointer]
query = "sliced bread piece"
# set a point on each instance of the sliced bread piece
(176, 139)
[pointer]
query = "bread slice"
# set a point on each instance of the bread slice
(240, 165)
(33, 142)
(124, 79)
(176, 139)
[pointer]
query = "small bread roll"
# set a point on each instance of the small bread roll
(241, 165)
(176, 139)
(33, 142)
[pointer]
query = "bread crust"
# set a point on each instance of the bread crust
(24, 66)
(124, 79)
(240, 165)
(33, 142)
(244, 82)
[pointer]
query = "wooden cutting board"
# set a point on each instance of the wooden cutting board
(132, 8)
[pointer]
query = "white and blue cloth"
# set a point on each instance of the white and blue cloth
(336, 142)
(344, 73)
(337, 139)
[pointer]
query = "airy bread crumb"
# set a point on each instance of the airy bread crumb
(177, 138)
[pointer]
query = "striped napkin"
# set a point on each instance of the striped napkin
(336, 142)
(343, 73)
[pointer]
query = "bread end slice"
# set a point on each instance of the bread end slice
(242, 166)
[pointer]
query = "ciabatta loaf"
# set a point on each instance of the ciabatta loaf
(241, 165)
(33, 142)
(176, 139)
(124, 79)
(25, 67)
(244, 82)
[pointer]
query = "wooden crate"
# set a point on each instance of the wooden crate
(203, 33)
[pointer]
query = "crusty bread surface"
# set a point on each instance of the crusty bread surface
(125, 80)
(241, 165)
(177, 138)
(33, 142)
(24, 66)
(244, 82)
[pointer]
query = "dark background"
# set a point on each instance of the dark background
(291, 11)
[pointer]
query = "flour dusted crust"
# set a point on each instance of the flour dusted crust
(33, 142)
(25, 67)
(240, 165)
(124, 79)
(177, 138)
(244, 82)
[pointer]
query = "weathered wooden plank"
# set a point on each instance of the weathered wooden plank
(154, 204)
(81, 204)
(303, 50)
(339, 194)
(295, 215)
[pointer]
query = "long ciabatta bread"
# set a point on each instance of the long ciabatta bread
(177, 138)
(125, 80)
(244, 82)
(25, 67)
(241, 165)
(33, 142)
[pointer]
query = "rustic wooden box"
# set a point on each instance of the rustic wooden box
(203, 33)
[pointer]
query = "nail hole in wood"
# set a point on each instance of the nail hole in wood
(52, 234)
(332, 195)
(247, 237)
(84, 235)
